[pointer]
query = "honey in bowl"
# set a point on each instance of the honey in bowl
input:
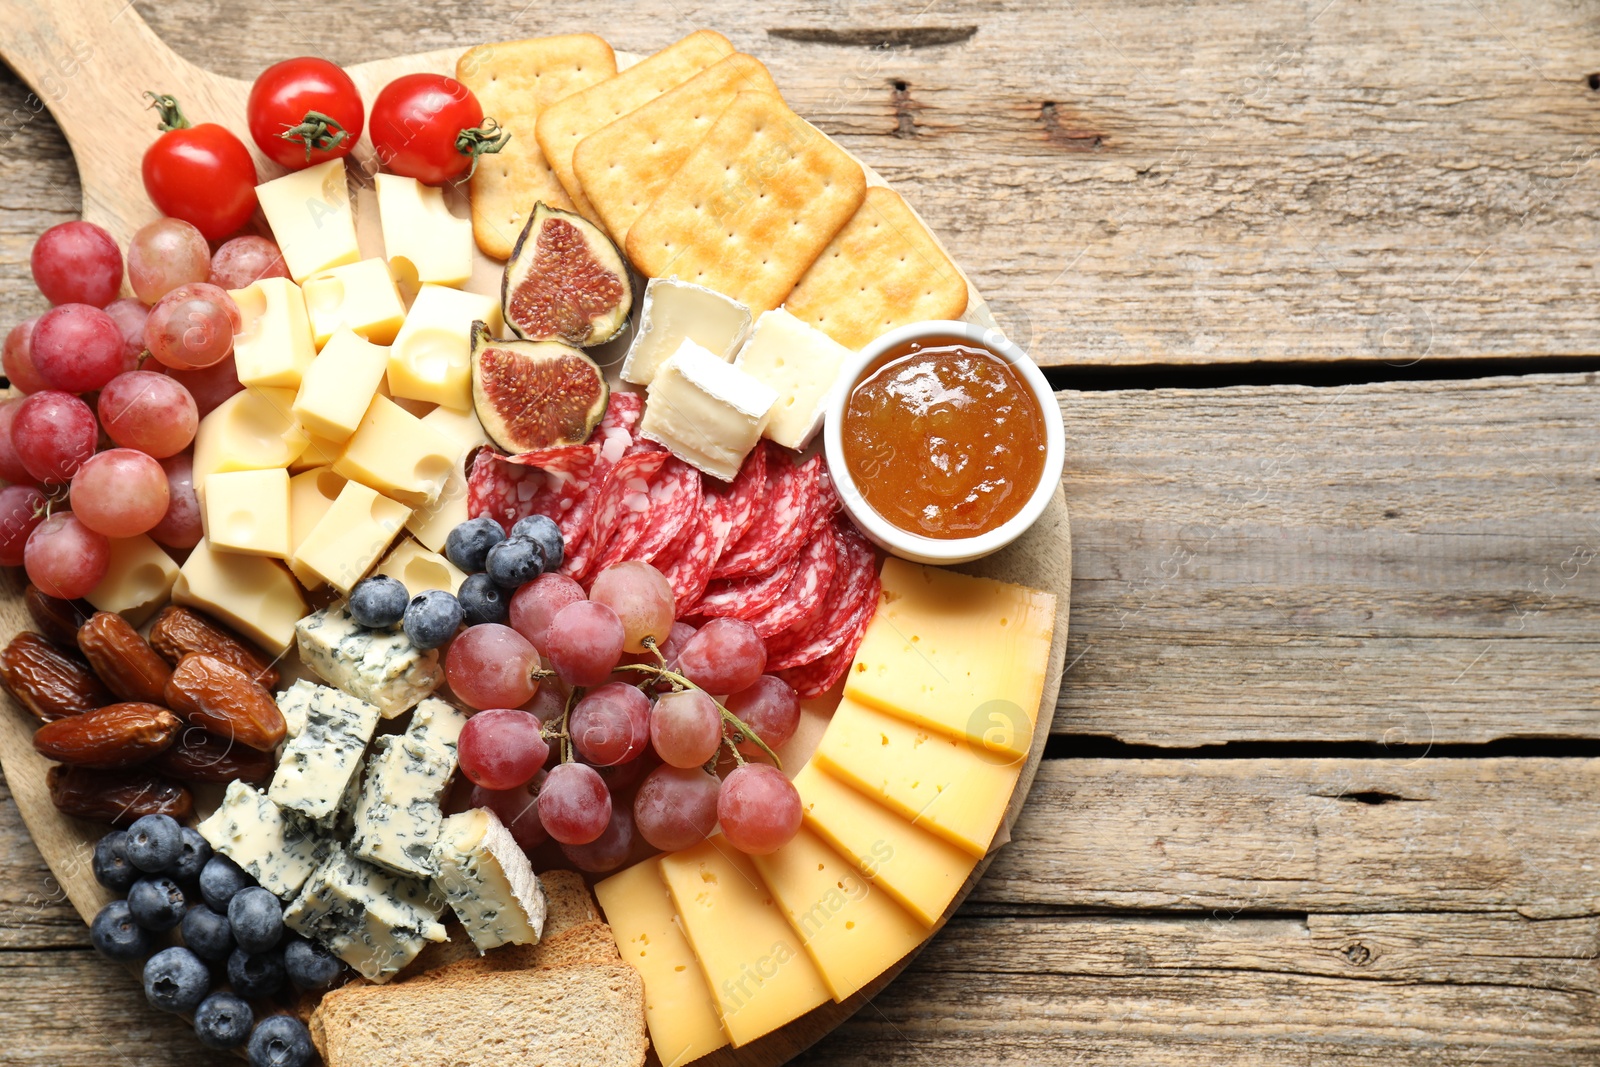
(944, 438)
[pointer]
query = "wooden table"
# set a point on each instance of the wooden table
(1319, 284)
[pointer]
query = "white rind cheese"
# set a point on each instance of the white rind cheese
(374, 921)
(397, 818)
(676, 311)
(488, 881)
(274, 849)
(315, 768)
(707, 412)
(798, 362)
(381, 667)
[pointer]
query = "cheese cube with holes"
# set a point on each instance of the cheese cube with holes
(253, 594)
(360, 297)
(339, 386)
(139, 577)
(247, 511)
(431, 358)
(420, 570)
(274, 345)
(351, 536)
(309, 212)
(676, 311)
(800, 364)
(705, 411)
(422, 240)
(397, 454)
(432, 523)
(251, 430)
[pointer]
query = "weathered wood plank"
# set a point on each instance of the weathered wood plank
(34, 912)
(1408, 563)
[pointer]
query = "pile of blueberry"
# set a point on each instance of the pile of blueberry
(496, 565)
(232, 932)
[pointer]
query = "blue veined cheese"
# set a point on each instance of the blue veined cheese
(381, 667)
(252, 831)
(397, 818)
(315, 769)
(293, 703)
(374, 921)
(488, 881)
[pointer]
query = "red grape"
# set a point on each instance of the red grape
(11, 468)
(148, 411)
(725, 656)
(771, 708)
(676, 807)
(130, 317)
(165, 254)
(686, 728)
(574, 804)
(550, 702)
(21, 509)
(611, 724)
(180, 526)
(501, 748)
(77, 348)
(517, 810)
(759, 809)
(19, 358)
(77, 263)
(536, 603)
(120, 493)
(642, 598)
(65, 558)
(608, 851)
(585, 642)
(247, 259)
(192, 326)
(53, 434)
(209, 386)
(621, 777)
(490, 666)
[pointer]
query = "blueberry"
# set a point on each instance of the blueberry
(117, 936)
(154, 843)
(256, 918)
(483, 601)
(192, 860)
(176, 980)
(542, 531)
(157, 903)
(310, 966)
(468, 545)
(378, 602)
(255, 974)
(220, 879)
(281, 1041)
(207, 934)
(514, 563)
(432, 618)
(111, 866)
(223, 1021)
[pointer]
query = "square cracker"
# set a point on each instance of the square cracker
(515, 81)
(562, 126)
(625, 165)
(752, 207)
(883, 270)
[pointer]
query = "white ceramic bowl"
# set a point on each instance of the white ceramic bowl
(931, 549)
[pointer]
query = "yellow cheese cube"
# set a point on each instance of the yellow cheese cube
(319, 452)
(248, 511)
(394, 453)
(311, 494)
(851, 930)
(420, 570)
(952, 788)
(360, 297)
(251, 430)
(339, 385)
(423, 241)
(432, 523)
(961, 655)
(253, 594)
(309, 212)
(759, 975)
(347, 541)
(678, 1008)
(139, 577)
(462, 425)
(273, 346)
(432, 356)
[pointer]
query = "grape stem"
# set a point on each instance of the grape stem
(563, 734)
(680, 683)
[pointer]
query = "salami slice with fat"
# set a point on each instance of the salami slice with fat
(802, 599)
(687, 561)
(746, 598)
(675, 501)
(507, 489)
(623, 499)
(851, 600)
(779, 533)
(739, 504)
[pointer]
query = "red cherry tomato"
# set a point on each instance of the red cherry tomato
(431, 128)
(201, 174)
(304, 111)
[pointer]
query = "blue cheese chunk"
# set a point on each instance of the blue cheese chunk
(295, 702)
(374, 921)
(315, 769)
(276, 850)
(488, 881)
(397, 818)
(381, 667)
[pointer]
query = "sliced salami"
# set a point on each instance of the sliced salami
(687, 561)
(747, 598)
(675, 499)
(817, 677)
(851, 599)
(740, 503)
(623, 500)
(780, 532)
(507, 489)
(803, 599)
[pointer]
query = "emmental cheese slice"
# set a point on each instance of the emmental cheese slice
(248, 511)
(339, 386)
(797, 362)
(704, 411)
(420, 570)
(309, 212)
(253, 594)
(961, 655)
(431, 358)
(139, 577)
(395, 453)
(311, 494)
(759, 975)
(424, 243)
(851, 929)
(350, 538)
(251, 430)
(360, 297)
(273, 347)
(676, 311)
(953, 788)
(678, 1007)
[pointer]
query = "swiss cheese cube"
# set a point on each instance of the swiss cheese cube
(274, 346)
(248, 511)
(311, 494)
(253, 594)
(309, 212)
(319, 452)
(422, 240)
(676, 311)
(798, 362)
(360, 297)
(705, 411)
(397, 454)
(462, 425)
(139, 577)
(339, 386)
(431, 358)
(431, 523)
(350, 537)
(253, 429)
(420, 570)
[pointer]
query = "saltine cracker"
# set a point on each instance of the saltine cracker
(625, 165)
(752, 207)
(562, 126)
(516, 81)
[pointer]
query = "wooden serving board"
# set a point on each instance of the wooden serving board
(90, 62)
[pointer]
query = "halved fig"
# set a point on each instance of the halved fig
(565, 281)
(534, 394)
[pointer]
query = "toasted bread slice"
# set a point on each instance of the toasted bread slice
(590, 943)
(568, 902)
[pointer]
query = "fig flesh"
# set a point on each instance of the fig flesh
(531, 395)
(565, 281)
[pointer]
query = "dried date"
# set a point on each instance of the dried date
(222, 699)
(117, 797)
(55, 618)
(197, 756)
(123, 660)
(47, 681)
(117, 735)
(178, 632)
